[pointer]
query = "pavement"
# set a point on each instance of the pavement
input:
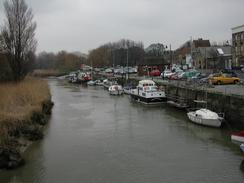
(234, 89)
(240, 75)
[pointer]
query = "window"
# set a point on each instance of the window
(242, 49)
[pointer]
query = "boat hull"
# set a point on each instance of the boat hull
(116, 92)
(148, 101)
(237, 138)
(206, 122)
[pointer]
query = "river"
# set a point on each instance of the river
(96, 138)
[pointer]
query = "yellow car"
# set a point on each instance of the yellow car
(223, 79)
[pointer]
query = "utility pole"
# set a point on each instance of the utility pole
(171, 62)
(191, 53)
(206, 60)
(127, 63)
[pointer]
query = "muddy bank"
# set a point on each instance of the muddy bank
(18, 137)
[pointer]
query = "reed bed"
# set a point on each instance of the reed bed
(46, 73)
(18, 101)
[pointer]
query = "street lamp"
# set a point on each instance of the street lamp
(127, 62)
(170, 52)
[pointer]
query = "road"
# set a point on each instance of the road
(226, 89)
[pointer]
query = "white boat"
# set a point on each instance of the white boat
(147, 92)
(99, 82)
(242, 148)
(91, 83)
(115, 90)
(107, 83)
(205, 117)
(238, 136)
(127, 89)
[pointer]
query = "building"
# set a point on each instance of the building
(238, 46)
(184, 54)
(213, 58)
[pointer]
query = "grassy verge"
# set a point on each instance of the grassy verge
(24, 109)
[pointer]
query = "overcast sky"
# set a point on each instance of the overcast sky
(81, 25)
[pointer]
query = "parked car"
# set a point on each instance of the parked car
(199, 76)
(166, 74)
(206, 78)
(242, 69)
(176, 75)
(228, 71)
(190, 73)
(181, 75)
(221, 78)
(108, 70)
(155, 73)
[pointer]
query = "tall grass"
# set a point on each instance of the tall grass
(18, 101)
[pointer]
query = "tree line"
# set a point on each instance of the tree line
(18, 46)
(121, 53)
(62, 61)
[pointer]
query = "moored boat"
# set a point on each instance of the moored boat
(205, 117)
(107, 83)
(147, 92)
(127, 89)
(84, 77)
(91, 83)
(179, 105)
(238, 136)
(242, 148)
(115, 90)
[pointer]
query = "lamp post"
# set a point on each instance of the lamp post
(170, 56)
(127, 62)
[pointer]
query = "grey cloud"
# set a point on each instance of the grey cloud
(85, 24)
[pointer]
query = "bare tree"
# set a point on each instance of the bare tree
(18, 36)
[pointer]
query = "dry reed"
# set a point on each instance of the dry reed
(18, 101)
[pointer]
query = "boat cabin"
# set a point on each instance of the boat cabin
(147, 86)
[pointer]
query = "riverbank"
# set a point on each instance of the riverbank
(227, 99)
(24, 110)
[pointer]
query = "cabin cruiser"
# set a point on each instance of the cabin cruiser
(205, 117)
(147, 92)
(84, 76)
(79, 77)
(115, 90)
(93, 83)
(107, 83)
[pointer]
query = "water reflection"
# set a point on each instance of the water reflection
(95, 137)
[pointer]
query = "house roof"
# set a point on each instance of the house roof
(201, 43)
(237, 29)
(214, 51)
